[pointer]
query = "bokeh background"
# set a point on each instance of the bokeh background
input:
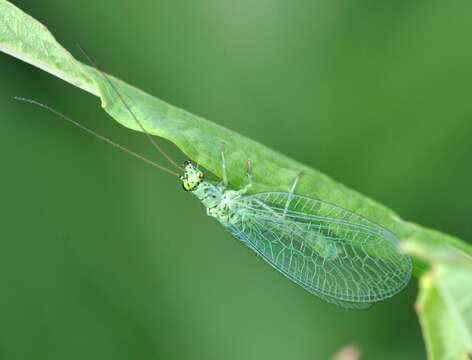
(102, 257)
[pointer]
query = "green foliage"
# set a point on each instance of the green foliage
(444, 304)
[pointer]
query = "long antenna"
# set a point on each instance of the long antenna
(133, 115)
(97, 135)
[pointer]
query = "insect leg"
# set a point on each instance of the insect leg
(292, 192)
(223, 166)
(249, 176)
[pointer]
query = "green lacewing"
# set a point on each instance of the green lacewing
(336, 254)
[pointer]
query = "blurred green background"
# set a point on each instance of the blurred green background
(102, 257)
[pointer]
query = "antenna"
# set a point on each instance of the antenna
(97, 135)
(133, 115)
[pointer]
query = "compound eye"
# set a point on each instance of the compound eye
(200, 175)
(187, 162)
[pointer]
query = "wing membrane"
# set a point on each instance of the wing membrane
(331, 252)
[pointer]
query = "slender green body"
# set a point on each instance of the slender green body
(333, 253)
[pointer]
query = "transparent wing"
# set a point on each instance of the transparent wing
(336, 254)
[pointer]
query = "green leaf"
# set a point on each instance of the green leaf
(445, 310)
(25, 38)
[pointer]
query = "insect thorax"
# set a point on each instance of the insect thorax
(219, 203)
(209, 194)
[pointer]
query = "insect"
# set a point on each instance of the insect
(331, 252)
